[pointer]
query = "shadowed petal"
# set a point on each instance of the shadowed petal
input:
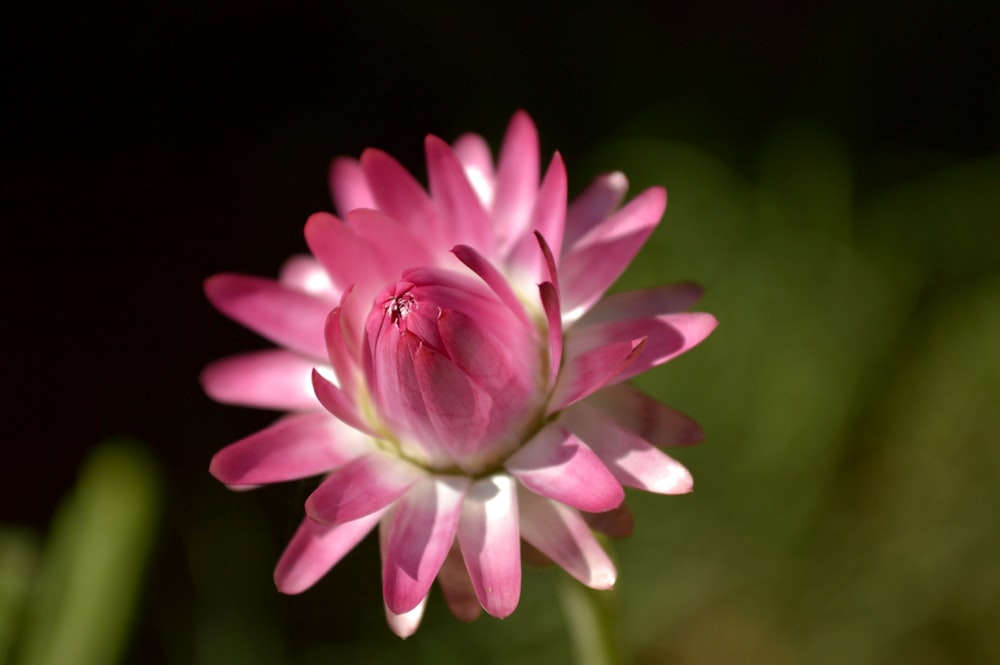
(271, 379)
(642, 304)
(615, 523)
(591, 265)
(594, 205)
(348, 186)
(420, 532)
(667, 337)
(297, 446)
(315, 549)
(633, 461)
(287, 317)
(453, 578)
(490, 539)
(653, 421)
(557, 464)
(561, 534)
(363, 486)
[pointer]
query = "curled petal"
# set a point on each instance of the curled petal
(493, 278)
(336, 402)
(315, 549)
(557, 464)
(364, 485)
(287, 317)
(297, 446)
(550, 303)
(651, 420)
(561, 534)
(490, 540)
(633, 461)
(419, 533)
(271, 379)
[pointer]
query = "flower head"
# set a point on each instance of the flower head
(451, 365)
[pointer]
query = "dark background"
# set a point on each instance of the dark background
(149, 145)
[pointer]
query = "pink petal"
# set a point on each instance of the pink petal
(402, 198)
(457, 201)
(644, 303)
(271, 379)
(315, 549)
(364, 485)
(477, 159)
(594, 205)
(591, 265)
(336, 402)
(651, 420)
(419, 534)
(343, 359)
(297, 446)
(490, 539)
(517, 179)
(458, 408)
(633, 461)
(586, 372)
(397, 246)
(547, 219)
(348, 186)
(456, 586)
(347, 258)
(667, 336)
(557, 464)
(304, 273)
(287, 317)
(560, 533)
(405, 624)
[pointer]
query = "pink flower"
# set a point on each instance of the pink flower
(450, 364)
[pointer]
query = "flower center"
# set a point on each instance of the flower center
(399, 307)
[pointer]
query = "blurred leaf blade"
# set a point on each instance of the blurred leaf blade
(91, 570)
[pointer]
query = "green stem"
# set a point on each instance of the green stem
(589, 617)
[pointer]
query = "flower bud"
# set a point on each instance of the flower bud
(454, 373)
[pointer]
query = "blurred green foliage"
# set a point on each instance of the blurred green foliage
(73, 601)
